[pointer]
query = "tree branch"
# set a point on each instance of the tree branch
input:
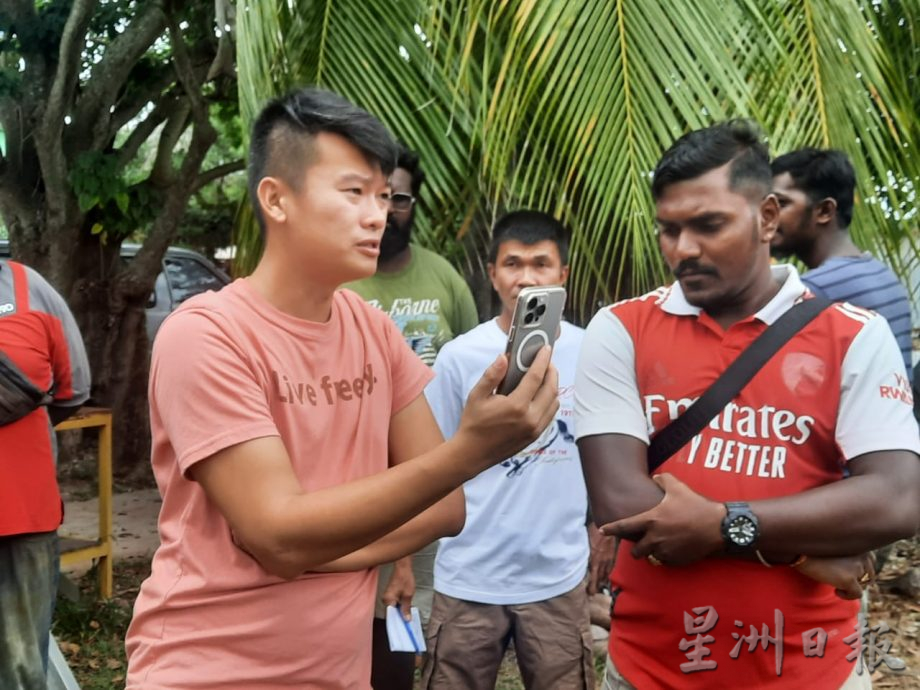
(68, 65)
(181, 188)
(225, 18)
(162, 112)
(154, 94)
(128, 108)
(164, 228)
(18, 149)
(186, 73)
(22, 16)
(20, 172)
(108, 77)
(162, 174)
(49, 137)
(20, 112)
(216, 173)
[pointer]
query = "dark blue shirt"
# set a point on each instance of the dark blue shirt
(863, 281)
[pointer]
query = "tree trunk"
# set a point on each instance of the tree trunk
(109, 306)
(112, 320)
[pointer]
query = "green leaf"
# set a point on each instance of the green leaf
(123, 201)
(96, 229)
(87, 201)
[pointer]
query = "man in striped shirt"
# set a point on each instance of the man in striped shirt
(815, 192)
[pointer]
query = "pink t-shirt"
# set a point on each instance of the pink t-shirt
(228, 367)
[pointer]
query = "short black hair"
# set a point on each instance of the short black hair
(282, 137)
(821, 173)
(408, 161)
(529, 227)
(739, 142)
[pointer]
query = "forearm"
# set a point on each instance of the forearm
(436, 522)
(845, 518)
(289, 531)
(298, 531)
(609, 504)
(614, 493)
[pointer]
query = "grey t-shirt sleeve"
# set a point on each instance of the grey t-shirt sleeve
(70, 364)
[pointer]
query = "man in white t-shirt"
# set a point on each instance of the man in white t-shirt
(517, 570)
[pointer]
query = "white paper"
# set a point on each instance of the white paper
(405, 636)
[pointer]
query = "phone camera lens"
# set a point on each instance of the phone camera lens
(532, 302)
(528, 317)
(541, 310)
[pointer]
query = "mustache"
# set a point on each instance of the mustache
(685, 267)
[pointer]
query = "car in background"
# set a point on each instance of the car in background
(185, 273)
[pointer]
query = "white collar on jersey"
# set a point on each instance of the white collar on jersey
(790, 292)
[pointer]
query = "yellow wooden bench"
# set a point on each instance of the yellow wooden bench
(78, 550)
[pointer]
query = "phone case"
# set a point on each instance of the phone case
(535, 323)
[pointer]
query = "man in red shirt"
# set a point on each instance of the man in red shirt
(41, 347)
(710, 538)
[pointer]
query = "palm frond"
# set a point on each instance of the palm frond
(835, 83)
(566, 106)
(376, 55)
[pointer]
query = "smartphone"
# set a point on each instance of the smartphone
(535, 323)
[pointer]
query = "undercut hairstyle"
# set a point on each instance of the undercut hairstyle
(821, 174)
(283, 136)
(529, 227)
(408, 161)
(739, 142)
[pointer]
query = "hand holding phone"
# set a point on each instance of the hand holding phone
(498, 426)
(535, 323)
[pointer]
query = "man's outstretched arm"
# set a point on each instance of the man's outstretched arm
(878, 504)
(686, 526)
(413, 432)
(289, 531)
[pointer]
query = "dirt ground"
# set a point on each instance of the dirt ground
(134, 519)
(890, 603)
(135, 539)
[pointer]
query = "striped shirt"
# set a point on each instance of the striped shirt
(866, 282)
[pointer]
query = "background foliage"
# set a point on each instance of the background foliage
(111, 112)
(566, 106)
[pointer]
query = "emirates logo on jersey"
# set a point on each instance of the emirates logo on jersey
(766, 422)
(747, 441)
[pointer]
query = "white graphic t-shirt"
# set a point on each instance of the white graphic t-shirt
(525, 538)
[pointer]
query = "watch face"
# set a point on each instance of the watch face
(741, 530)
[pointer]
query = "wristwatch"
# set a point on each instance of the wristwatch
(740, 527)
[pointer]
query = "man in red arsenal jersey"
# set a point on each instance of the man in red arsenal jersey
(743, 554)
(40, 350)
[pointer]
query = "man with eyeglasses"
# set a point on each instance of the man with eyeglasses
(431, 304)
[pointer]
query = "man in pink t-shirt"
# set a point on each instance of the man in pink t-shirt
(291, 441)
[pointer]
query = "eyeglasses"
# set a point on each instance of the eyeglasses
(401, 202)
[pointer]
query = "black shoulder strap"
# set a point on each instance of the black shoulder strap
(679, 432)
